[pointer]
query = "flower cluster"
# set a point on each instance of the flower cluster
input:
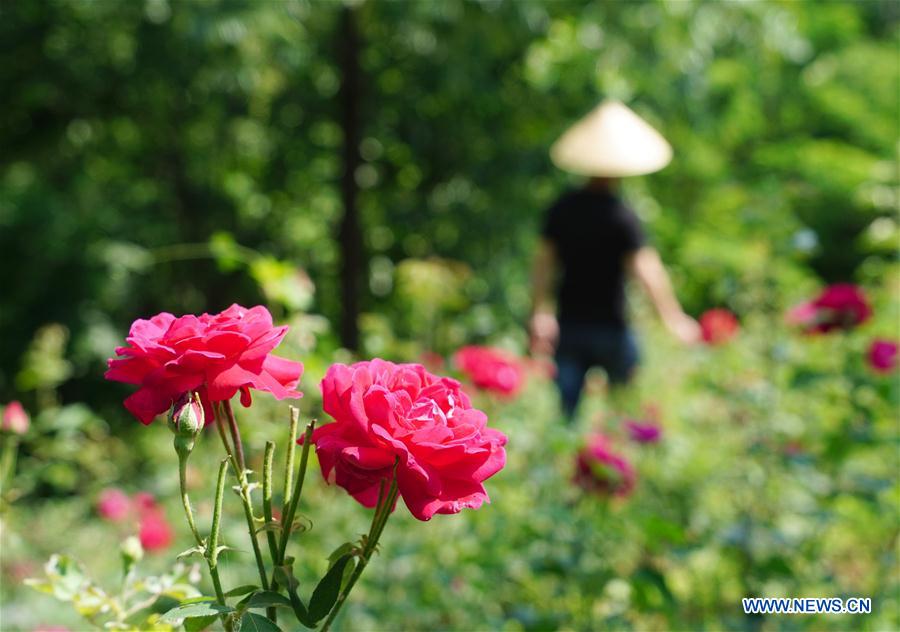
(215, 355)
(401, 418)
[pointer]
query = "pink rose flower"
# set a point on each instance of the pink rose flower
(113, 505)
(154, 531)
(643, 431)
(216, 355)
(839, 306)
(387, 412)
(883, 355)
(600, 470)
(15, 419)
(490, 369)
(718, 325)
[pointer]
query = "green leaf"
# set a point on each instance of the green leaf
(326, 592)
(257, 623)
(348, 572)
(241, 590)
(196, 624)
(267, 599)
(194, 610)
(194, 550)
(347, 548)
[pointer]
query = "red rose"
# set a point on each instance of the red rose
(215, 355)
(839, 306)
(883, 355)
(718, 326)
(154, 531)
(387, 412)
(113, 504)
(600, 470)
(490, 369)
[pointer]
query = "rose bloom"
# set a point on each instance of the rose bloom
(718, 325)
(883, 355)
(643, 431)
(600, 470)
(15, 419)
(216, 355)
(386, 413)
(154, 531)
(839, 306)
(113, 504)
(489, 368)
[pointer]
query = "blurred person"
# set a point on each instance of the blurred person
(591, 240)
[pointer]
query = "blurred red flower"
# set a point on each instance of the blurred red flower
(113, 504)
(489, 368)
(600, 470)
(387, 412)
(718, 325)
(15, 419)
(216, 355)
(154, 531)
(839, 306)
(643, 431)
(883, 355)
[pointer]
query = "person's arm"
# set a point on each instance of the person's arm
(544, 326)
(645, 265)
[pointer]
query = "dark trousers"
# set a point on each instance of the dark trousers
(582, 346)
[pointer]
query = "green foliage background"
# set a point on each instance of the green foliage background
(182, 156)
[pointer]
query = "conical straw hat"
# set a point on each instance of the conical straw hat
(611, 141)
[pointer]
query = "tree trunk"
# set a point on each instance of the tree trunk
(350, 235)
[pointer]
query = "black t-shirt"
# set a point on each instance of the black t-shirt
(593, 232)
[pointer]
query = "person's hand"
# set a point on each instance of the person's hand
(683, 327)
(544, 333)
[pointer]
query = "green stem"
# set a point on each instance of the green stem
(8, 468)
(291, 449)
(244, 490)
(379, 520)
(291, 509)
(211, 554)
(185, 500)
(235, 435)
(267, 513)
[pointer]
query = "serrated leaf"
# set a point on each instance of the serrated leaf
(347, 548)
(253, 622)
(267, 599)
(196, 624)
(193, 610)
(241, 590)
(326, 591)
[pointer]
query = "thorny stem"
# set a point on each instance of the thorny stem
(379, 520)
(291, 448)
(235, 435)
(291, 509)
(244, 492)
(211, 554)
(267, 513)
(209, 547)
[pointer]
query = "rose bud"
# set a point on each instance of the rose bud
(15, 419)
(186, 421)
